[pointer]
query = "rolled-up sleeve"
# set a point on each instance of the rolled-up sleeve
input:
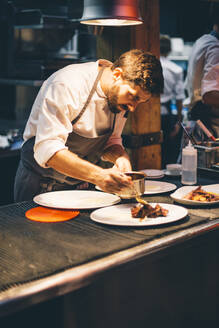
(211, 57)
(210, 81)
(53, 122)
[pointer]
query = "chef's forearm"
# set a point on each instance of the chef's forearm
(211, 98)
(118, 156)
(71, 165)
(179, 109)
(112, 153)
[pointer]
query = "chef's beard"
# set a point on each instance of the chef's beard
(113, 106)
(112, 99)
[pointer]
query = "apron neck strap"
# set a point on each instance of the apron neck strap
(89, 96)
(114, 121)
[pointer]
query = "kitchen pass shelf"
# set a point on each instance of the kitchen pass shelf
(35, 18)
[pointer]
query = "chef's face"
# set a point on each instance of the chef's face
(125, 96)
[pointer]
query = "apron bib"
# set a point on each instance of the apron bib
(32, 179)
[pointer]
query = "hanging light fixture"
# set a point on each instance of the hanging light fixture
(111, 12)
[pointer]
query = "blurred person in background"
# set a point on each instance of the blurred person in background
(210, 97)
(173, 91)
(202, 69)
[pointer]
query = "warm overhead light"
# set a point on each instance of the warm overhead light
(111, 12)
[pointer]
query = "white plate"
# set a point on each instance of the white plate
(153, 174)
(171, 174)
(76, 199)
(155, 187)
(181, 192)
(121, 215)
(158, 187)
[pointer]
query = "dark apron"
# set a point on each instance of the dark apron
(168, 122)
(32, 179)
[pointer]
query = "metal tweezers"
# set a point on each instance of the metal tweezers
(191, 138)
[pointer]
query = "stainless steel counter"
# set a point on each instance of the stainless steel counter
(136, 247)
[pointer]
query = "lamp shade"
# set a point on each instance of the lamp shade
(111, 12)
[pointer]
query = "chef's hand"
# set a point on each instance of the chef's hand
(123, 164)
(175, 131)
(113, 180)
(117, 155)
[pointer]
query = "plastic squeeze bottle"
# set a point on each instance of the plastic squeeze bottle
(189, 165)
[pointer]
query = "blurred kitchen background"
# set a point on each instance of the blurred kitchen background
(40, 36)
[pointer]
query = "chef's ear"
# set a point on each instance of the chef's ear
(117, 73)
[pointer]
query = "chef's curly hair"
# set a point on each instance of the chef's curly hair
(143, 69)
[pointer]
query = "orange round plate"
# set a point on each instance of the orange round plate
(44, 214)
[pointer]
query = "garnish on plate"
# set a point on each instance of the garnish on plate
(200, 195)
(143, 209)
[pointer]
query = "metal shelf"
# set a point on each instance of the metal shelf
(35, 19)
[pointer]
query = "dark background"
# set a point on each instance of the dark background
(187, 19)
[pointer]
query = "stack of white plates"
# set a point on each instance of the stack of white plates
(173, 169)
(153, 174)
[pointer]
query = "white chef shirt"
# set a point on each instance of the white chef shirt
(173, 82)
(204, 55)
(210, 81)
(59, 101)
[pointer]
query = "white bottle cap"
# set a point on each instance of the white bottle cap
(189, 148)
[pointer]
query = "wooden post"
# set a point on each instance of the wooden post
(146, 119)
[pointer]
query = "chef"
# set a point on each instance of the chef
(203, 58)
(173, 90)
(210, 96)
(77, 118)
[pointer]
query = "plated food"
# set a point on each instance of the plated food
(144, 210)
(120, 215)
(201, 195)
(197, 195)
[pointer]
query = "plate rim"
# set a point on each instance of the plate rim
(156, 176)
(116, 200)
(161, 192)
(155, 170)
(166, 172)
(152, 192)
(192, 202)
(141, 223)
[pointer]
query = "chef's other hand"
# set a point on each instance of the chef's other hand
(175, 131)
(112, 180)
(123, 164)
